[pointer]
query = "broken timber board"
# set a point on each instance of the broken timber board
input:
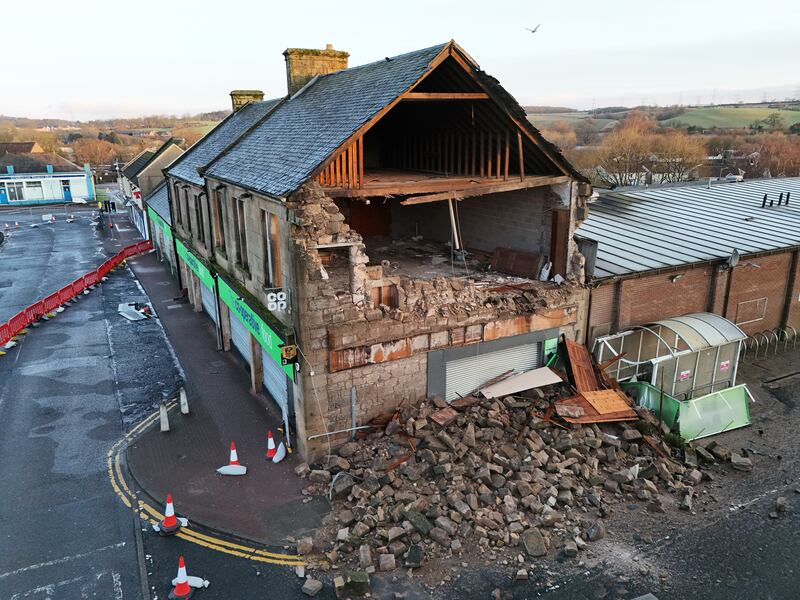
(607, 401)
(581, 366)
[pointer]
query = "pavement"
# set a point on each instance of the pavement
(264, 506)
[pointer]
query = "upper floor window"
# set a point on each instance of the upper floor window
(186, 210)
(218, 219)
(240, 233)
(198, 215)
(176, 204)
(271, 249)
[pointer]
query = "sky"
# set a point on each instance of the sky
(88, 59)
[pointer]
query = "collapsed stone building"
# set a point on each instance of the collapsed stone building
(381, 234)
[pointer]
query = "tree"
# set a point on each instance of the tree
(586, 131)
(636, 151)
(774, 121)
(561, 134)
(94, 152)
(677, 156)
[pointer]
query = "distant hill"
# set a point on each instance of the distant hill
(542, 110)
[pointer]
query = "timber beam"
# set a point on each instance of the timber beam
(481, 190)
(445, 96)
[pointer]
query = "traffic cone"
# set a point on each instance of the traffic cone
(16, 224)
(182, 588)
(170, 524)
(233, 467)
(270, 446)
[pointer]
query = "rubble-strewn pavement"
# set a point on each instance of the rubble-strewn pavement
(499, 500)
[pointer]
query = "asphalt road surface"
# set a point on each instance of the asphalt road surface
(76, 384)
(70, 390)
(64, 533)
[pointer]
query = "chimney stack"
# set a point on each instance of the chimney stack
(241, 97)
(303, 64)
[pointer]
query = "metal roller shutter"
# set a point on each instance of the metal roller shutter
(209, 301)
(464, 375)
(275, 383)
(240, 337)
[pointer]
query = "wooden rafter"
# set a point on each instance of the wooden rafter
(445, 96)
(489, 188)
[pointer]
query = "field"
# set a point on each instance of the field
(543, 120)
(730, 116)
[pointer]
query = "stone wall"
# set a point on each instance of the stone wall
(381, 351)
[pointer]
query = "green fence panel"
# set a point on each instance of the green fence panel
(714, 413)
(650, 397)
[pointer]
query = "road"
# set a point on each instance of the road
(71, 389)
(76, 384)
(64, 533)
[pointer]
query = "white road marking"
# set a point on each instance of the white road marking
(117, 585)
(171, 306)
(59, 561)
(49, 589)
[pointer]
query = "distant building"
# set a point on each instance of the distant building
(20, 148)
(43, 178)
(142, 175)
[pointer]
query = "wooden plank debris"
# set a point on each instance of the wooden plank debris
(607, 401)
(581, 366)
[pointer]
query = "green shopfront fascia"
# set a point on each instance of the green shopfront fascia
(242, 316)
(162, 236)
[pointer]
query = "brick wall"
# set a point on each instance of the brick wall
(757, 295)
(765, 283)
(651, 298)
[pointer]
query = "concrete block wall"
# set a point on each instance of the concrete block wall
(518, 219)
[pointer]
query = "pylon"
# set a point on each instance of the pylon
(233, 467)
(270, 446)
(170, 524)
(182, 588)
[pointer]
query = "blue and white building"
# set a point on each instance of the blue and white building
(43, 178)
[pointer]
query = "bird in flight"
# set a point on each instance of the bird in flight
(535, 29)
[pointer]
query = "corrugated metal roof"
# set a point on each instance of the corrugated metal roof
(159, 202)
(642, 230)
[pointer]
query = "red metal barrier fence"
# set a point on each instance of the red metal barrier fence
(47, 305)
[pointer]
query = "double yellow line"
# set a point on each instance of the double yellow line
(150, 515)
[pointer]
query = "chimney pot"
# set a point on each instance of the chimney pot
(241, 97)
(303, 64)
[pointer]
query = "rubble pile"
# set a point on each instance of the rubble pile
(443, 480)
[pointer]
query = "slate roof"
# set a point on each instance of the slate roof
(37, 163)
(17, 147)
(215, 141)
(280, 153)
(648, 229)
(134, 167)
(158, 200)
